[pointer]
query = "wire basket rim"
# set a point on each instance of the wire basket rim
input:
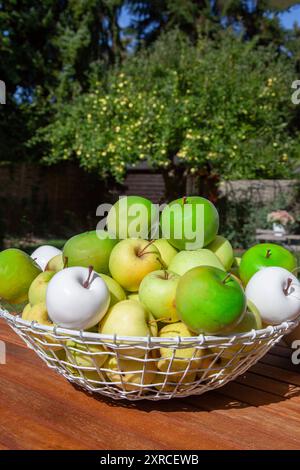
(269, 331)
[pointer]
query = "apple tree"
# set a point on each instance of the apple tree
(215, 108)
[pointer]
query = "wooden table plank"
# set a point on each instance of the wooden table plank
(41, 410)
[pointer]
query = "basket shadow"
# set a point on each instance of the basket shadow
(242, 393)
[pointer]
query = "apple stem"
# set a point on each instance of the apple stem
(184, 200)
(142, 252)
(163, 265)
(66, 260)
(226, 278)
(268, 254)
(288, 285)
(86, 284)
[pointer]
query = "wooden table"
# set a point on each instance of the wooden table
(292, 241)
(41, 410)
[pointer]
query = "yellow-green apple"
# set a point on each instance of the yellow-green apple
(134, 296)
(235, 268)
(38, 288)
(131, 217)
(26, 311)
(129, 374)
(190, 223)
(43, 254)
(276, 294)
(209, 301)
(77, 298)
(38, 313)
(129, 318)
(265, 255)
(131, 260)
(89, 355)
(17, 271)
(250, 321)
(117, 292)
(223, 250)
(89, 249)
(186, 260)
(157, 292)
(172, 381)
(183, 357)
(57, 263)
(166, 250)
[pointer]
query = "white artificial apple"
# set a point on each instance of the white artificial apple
(77, 298)
(186, 260)
(276, 294)
(43, 254)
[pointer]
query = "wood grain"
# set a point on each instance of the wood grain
(41, 410)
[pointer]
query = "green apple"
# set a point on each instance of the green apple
(89, 249)
(186, 260)
(90, 355)
(167, 251)
(183, 356)
(190, 223)
(129, 372)
(210, 301)
(57, 263)
(117, 293)
(129, 318)
(131, 217)
(131, 260)
(157, 292)
(38, 288)
(17, 271)
(222, 248)
(265, 255)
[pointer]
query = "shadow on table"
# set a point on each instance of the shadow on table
(235, 395)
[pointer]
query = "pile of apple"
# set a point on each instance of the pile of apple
(138, 287)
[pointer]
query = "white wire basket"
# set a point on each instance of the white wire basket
(152, 368)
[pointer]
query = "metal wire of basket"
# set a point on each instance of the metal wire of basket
(153, 368)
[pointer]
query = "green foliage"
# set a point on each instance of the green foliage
(222, 105)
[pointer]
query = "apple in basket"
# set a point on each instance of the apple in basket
(190, 223)
(222, 248)
(131, 216)
(77, 298)
(276, 294)
(265, 255)
(131, 260)
(166, 250)
(157, 292)
(38, 288)
(43, 254)
(38, 314)
(17, 272)
(89, 249)
(184, 261)
(130, 374)
(209, 300)
(129, 318)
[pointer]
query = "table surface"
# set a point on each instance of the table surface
(41, 410)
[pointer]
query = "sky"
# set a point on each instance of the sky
(288, 18)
